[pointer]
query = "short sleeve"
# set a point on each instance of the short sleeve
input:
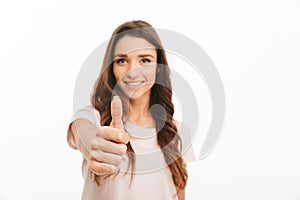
(89, 113)
(188, 154)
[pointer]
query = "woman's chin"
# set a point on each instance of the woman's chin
(135, 95)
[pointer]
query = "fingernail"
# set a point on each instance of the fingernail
(114, 169)
(122, 134)
(125, 137)
(123, 148)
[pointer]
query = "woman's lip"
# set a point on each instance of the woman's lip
(133, 83)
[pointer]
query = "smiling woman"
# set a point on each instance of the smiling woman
(135, 69)
(131, 150)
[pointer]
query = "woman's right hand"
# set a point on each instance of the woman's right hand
(109, 145)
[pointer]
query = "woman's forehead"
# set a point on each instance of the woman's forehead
(130, 44)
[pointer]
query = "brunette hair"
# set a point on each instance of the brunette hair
(106, 86)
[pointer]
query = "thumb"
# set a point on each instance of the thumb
(117, 112)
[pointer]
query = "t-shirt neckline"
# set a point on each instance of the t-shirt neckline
(140, 132)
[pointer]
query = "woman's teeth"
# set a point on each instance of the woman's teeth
(135, 83)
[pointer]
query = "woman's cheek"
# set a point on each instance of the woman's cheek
(152, 75)
(118, 73)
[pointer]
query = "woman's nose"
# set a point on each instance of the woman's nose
(133, 64)
(133, 70)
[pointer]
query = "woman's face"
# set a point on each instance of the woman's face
(134, 66)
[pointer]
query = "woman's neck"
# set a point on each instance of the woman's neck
(139, 112)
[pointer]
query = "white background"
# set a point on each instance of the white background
(255, 46)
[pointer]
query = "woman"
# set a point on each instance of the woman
(131, 129)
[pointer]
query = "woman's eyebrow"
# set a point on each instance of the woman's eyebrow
(146, 55)
(140, 55)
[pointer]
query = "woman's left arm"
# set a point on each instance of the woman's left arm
(181, 195)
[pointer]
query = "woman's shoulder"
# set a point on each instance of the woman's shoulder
(88, 112)
(187, 139)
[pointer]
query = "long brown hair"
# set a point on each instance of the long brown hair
(105, 87)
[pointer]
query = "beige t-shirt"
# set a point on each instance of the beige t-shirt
(152, 179)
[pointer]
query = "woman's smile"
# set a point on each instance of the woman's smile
(133, 84)
(133, 88)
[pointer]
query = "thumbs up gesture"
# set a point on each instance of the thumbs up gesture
(116, 113)
(109, 145)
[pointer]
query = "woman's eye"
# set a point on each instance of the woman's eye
(120, 61)
(146, 60)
